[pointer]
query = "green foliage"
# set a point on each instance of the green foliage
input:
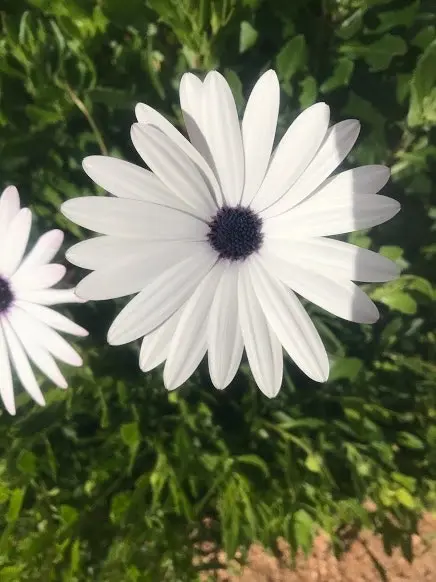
(115, 480)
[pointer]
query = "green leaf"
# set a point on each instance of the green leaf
(15, 504)
(399, 301)
(405, 498)
(130, 434)
(340, 77)
(410, 441)
(11, 573)
(255, 461)
(303, 530)
(345, 368)
(314, 463)
(247, 36)
(236, 86)
(380, 53)
(431, 436)
(308, 92)
(119, 505)
(391, 252)
(399, 17)
(424, 37)
(291, 58)
(26, 463)
(68, 514)
(422, 85)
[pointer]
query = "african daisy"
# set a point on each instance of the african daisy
(219, 237)
(27, 326)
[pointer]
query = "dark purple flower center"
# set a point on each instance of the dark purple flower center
(235, 233)
(6, 295)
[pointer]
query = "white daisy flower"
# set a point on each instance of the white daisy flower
(27, 326)
(219, 237)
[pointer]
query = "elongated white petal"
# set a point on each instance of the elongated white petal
(14, 245)
(45, 248)
(184, 179)
(133, 272)
(174, 168)
(191, 103)
(21, 364)
(6, 385)
(290, 322)
(338, 296)
(133, 219)
(336, 146)
(9, 208)
(223, 133)
(52, 318)
(337, 215)
(294, 153)
(258, 132)
(264, 351)
(161, 298)
(104, 251)
(155, 345)
(148, 115)
(126, 180)
(334, 258)
(49, 296)
(225, 345)
(46, 337)
(41, 277)
(366, 180)
(189, 342)
(39, 355)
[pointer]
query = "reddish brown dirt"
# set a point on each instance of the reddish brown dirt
(356, 565)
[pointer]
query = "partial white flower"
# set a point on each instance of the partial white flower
(221, 234)
(27, 326)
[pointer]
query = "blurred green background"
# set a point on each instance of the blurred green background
(116, 480)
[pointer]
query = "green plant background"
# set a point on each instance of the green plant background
(116, 480)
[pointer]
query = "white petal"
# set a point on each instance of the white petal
(39, 356)
(155, 345)
(161, 298)
(133, 219)
(42, 277)
(21, 364)
(337, 296)
(129, 274)
(294, 153)
(52, 318)
(337, 145)
(49, 296)
(126, 180)
(264, 351)
(174, 168)
(189, 342)
(334, 258)
(148, 115)
(43, 251)
(102, 251)
(46, 337)
(258, 132)
(290, 322)
(191, 103)
(364, 180)
(225, 345)
(9, 208)
(14, 245)
(6, 385)
(337, 214)
(223, 134)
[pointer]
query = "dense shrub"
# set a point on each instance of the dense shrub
(112, 480)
